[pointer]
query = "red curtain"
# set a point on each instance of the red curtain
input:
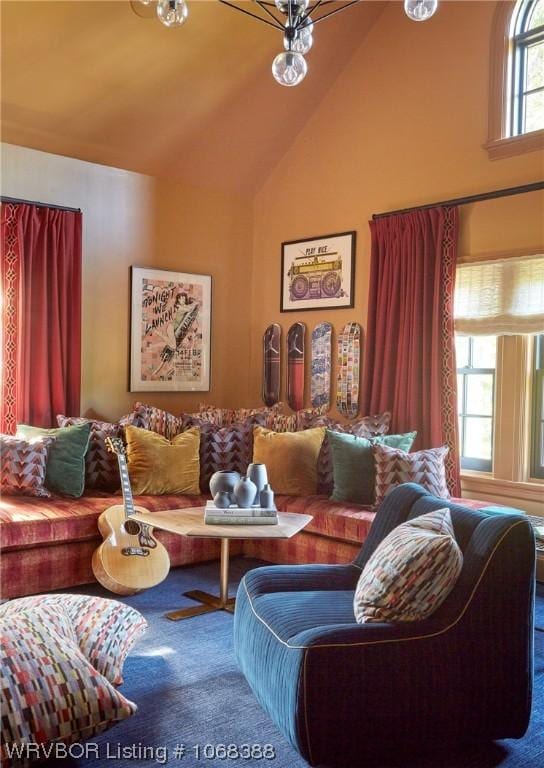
(48, 312)
(410, 357)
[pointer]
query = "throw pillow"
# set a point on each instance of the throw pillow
(411, 572)
(52, 693)
(367, 426)
(353, 463)
(224, 417)
(65, 473)
(290, 458)
(23, 464)
(101, 468)
(158, 466)
(158, 420)
(394, 467)
(105, 630)
(225, 447)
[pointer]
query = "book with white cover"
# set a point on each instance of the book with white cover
(234, 511)
(211, 519)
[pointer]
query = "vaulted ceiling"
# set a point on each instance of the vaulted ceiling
(198, 104)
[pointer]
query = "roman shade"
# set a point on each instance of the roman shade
(500, 297)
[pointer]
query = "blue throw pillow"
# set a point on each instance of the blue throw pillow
(353, 463)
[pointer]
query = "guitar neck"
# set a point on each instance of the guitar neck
(125, 485)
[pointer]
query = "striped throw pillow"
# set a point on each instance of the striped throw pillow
(411, 572)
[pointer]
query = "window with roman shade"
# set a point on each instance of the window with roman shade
(502, 297)
(499, 331)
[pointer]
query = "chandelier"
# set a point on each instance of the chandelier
(295, 19)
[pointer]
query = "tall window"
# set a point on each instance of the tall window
(537, 453)
(527, 68)
(499, 323)
(476, 363)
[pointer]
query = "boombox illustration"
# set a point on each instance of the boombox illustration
(316, 277)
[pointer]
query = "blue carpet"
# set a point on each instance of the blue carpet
(189, 691)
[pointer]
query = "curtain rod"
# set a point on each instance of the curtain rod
(468, 199)
(17, 201)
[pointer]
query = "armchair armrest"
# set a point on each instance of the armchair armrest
(299, 578)
(360, 635)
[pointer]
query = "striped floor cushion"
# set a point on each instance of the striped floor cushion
(50, 691)
(105, 630)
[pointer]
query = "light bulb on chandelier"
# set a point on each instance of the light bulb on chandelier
(289, 68)
(420, 10)
(299, 40)
(172, 13)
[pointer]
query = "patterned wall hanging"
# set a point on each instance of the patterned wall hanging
(320, 388)
(271, 364)
(295, 366)
(347, 380)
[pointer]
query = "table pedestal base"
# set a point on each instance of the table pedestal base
(209, 603)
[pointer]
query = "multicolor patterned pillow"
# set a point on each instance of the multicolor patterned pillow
(394, 467)
(101, 468)
(158, 420)
(224, 417)
(367, 427)
(411, 572)
(225, 447)
(105, 630)
(52, 693)
(23, 465)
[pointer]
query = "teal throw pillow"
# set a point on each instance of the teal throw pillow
(65, 472)
(353, 463)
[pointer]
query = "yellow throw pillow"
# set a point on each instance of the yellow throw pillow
(157, 466)
(290, 458)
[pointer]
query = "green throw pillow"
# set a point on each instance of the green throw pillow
(353, 463)
(65, 472)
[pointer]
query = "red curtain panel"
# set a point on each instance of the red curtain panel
(46, 322)
(410, 359)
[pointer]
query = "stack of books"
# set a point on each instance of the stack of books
(234, 515)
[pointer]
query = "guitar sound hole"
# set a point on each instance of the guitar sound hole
(132, 527)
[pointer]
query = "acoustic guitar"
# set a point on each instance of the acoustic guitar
(129, 559)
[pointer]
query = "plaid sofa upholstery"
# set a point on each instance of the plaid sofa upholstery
(47, 544)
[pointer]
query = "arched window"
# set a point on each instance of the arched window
(527, 68)
(516, 104)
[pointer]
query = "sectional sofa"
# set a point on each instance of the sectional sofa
(47, 544)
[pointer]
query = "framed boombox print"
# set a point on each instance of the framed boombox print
(318, 273)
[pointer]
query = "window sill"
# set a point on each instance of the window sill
(515, 145)
(497, 489)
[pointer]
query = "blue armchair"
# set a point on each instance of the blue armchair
(343, 692)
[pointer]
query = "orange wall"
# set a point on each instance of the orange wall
(131, 219)
(403, 124)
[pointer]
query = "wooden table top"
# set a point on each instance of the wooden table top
(190, 522)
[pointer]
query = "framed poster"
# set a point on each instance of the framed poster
(170, 331)
(318, 273)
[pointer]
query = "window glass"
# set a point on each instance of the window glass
(527, 68)
(536, 19)
(478, 439)
(476, 361)
(461, 351)
(484, 351)
(535, 66)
